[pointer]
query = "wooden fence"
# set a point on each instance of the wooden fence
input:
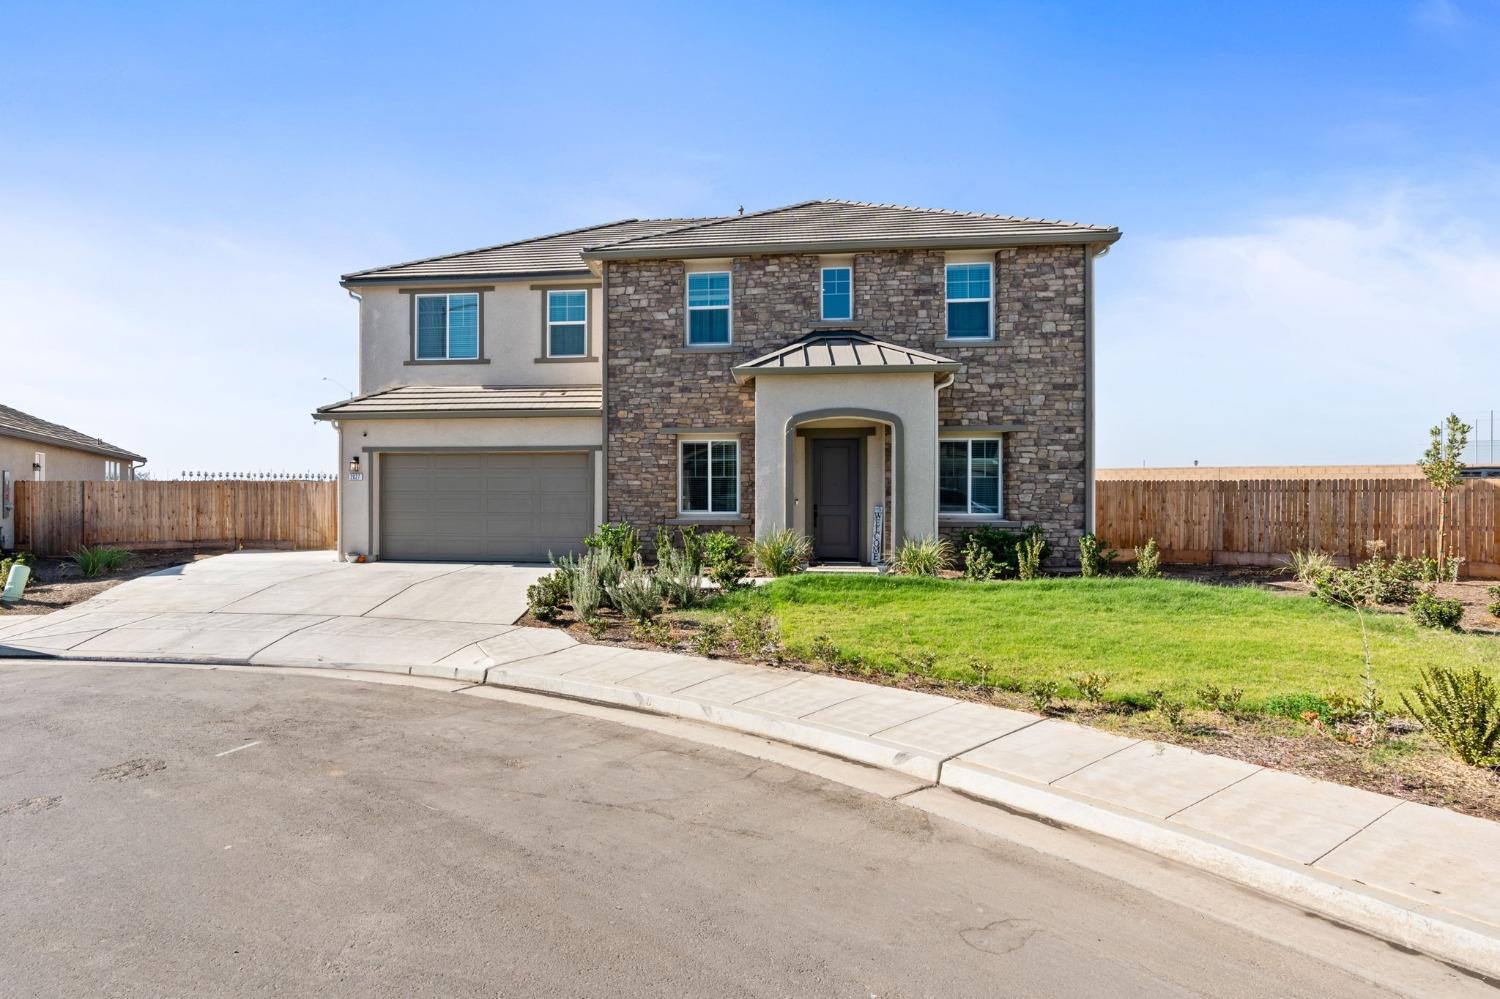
(1261, 521)
(55, 518)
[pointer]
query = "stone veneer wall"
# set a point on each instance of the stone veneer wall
(1032, 374)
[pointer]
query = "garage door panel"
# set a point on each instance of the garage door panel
(484, 507)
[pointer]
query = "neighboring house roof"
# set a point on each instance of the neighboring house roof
(845, 226)
(14, 423)
(556, 254)
(432, 401)
(844, 353)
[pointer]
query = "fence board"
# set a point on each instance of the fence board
(55, 518)
(1261, 521)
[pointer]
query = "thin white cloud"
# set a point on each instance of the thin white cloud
(1439, 15)
(1316, 338)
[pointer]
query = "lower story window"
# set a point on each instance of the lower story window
(710, 477)
(969, 475)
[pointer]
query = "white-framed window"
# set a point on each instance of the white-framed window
(838, 293)
(969, 289)
(709, 476)
(709, 297)
(111, 471)
(969, 479)
(567, 323)
(447, 327)
(39, 466)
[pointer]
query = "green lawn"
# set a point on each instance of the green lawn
(1145, 634)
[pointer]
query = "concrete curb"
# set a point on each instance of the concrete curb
(1446, 936)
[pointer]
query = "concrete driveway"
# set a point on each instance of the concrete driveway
(297, 609)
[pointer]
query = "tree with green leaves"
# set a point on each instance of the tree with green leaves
(1443, 464)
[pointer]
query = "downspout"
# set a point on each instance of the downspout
(1088, 384)
(603, 512)
(338, 435)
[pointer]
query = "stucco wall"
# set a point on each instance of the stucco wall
(359, 501)
(16, 457)
(511, 341)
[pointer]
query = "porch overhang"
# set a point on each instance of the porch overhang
(840, 352)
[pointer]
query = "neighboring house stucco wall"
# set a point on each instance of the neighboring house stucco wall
(511, 341)
(62, 463)
(359, 501)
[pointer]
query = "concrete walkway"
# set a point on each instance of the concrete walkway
(1425, 877)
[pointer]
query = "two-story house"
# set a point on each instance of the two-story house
(859, 373)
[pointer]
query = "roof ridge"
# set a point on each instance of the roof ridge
(705, 224)
(498, 246)
(958, 212)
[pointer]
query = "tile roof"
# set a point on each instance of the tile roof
(14, 423)
(557, 253)
(424, 401)
(833, 225)
(845, 353)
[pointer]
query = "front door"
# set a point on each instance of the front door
(835, 497)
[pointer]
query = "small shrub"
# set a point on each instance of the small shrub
(565, 566)
(1223, 701)
(1296, 705)
(1309, 566)
(1173, 711)
(96, 560)
(756, 636)
(824, 652)
(545, 597)
(1461, 710)
(653, 633)
(920, 662)
(724, 558)
(1003, 546)
(620, 540)
(979, 564)
(1494, 608)
(586, 593)
(1029, 556)
(677, 578)
(1042, 694)
(927, 556)
(1094, 556)
(1148, 560)
(1092, 685)
(707, 639)
(1433, 611)
(636, 594)
(19, 558)
(597, 626)
(781, 553)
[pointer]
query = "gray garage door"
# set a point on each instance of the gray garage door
(484, 507)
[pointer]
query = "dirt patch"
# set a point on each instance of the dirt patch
(31, 806)
(132, 769)
(56, 582)
(1401, 762)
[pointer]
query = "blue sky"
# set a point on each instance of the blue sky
(1309, 195)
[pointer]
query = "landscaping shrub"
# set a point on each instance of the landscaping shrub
(590, 573)
(756, 636)
(1459, 709)
(653, 633)
(1029, 556)
(636, 594)
(691, 545)
(545, 597)
(1433, 611)
(1173, 711)
(927, 556)
(1148, 560)
(1091, 685)
(1376, 580)
(1310, 566)
(1494, 608)
(620, 540)
(96, 560)
(1002, 545)
(708, 638)
(781, 553)
(677, 577)
(1094, 556)
(724, 558)
(1042, 694)
(979, 564)
(19, 558)
(1223, 701)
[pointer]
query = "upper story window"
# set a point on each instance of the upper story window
(448, 327)
(969, 476)
(709, 475)
(567, 323)
(970, 301)
(111, 471)
(838, 293)
(708, 305)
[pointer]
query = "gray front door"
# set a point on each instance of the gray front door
(835, 497)
(479, 507)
